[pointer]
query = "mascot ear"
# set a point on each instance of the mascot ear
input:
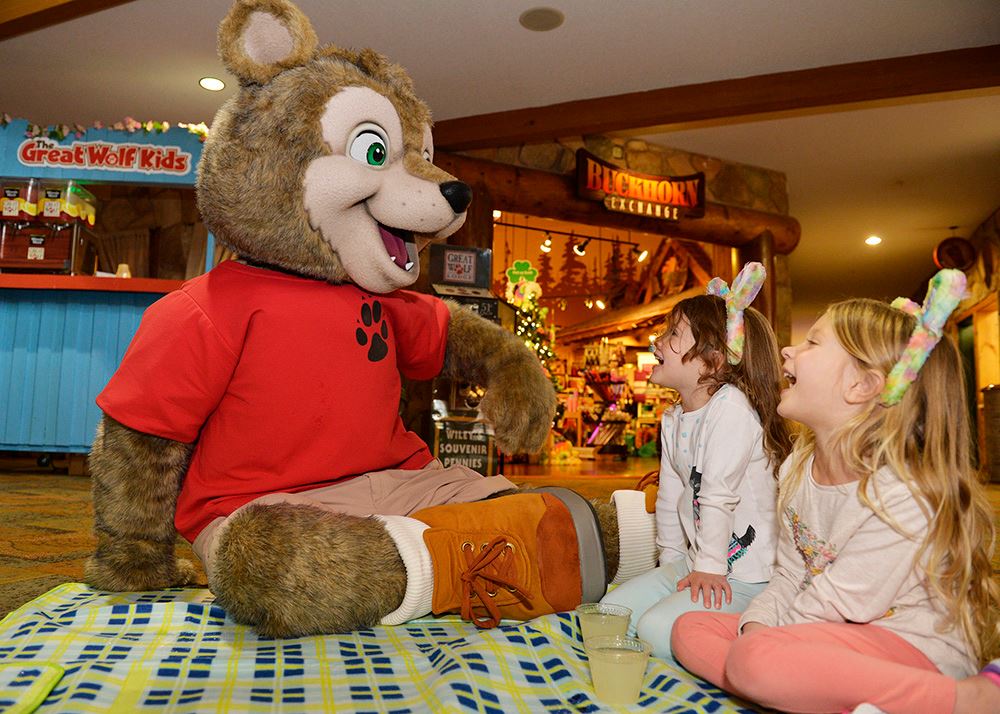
(260, 38)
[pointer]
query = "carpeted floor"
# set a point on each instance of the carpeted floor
(45, 526)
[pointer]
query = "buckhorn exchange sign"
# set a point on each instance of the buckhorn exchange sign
(667, 197)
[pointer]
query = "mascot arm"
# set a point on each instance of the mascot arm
(136, 479)
(520, 401)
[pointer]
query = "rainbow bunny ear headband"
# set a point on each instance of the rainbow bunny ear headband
(944, 292)
(745, 287)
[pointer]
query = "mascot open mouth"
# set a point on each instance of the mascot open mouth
(398, 244)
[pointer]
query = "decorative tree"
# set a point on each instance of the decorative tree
(615, 277)
(530, 326)
(523, 293)
(545, 271)
(574, 272)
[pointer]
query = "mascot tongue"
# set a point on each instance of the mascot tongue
(395, 246)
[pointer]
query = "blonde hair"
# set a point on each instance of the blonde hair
(925, 440)
(758, 373)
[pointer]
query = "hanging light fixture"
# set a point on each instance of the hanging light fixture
(600, 304)
(546, 246)
(640, 255)
(581, 248)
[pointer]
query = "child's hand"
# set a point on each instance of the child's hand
(710, 586)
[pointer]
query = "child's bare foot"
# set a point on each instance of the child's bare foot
(977, 695)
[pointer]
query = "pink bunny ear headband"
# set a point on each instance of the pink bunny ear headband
(944, 292)
(745, 287)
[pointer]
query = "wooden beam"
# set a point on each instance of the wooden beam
(856, 82)
(548, 195)
(18, 17)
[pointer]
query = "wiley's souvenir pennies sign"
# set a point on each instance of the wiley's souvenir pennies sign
(666, 197)
(468, 442)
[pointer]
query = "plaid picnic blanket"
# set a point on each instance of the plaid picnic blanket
(78, 650)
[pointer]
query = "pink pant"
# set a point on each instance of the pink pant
(816, 667)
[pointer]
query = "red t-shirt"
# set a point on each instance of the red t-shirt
(286, 383)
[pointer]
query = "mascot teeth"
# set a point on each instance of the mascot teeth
(407, 266)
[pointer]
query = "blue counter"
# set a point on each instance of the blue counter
(61, 339)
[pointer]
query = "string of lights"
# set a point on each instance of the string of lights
(579, 241)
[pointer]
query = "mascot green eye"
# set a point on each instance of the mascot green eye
(369, 148)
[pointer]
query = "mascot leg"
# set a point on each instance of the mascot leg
(289, 569)
(519, 556)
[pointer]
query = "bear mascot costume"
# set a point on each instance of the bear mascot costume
(256, 409)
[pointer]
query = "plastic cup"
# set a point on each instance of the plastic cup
(598, 619)
(617, 667)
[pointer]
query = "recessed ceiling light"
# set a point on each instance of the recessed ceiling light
(212, 84)
(873, 240)
(541, 19)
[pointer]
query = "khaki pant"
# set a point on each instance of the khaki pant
(396, 492)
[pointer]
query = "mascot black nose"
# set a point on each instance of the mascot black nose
(458, 194)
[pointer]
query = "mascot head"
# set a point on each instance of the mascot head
(322, 163)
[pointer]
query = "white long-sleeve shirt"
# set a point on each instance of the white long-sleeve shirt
(838, 561)
(716, 500)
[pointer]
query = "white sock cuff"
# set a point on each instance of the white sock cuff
(637, 552)
(418, 601)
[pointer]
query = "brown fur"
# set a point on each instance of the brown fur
(266, 136)
(135, 482)
(232, 49)
(520, 401)
(291, 570)
(607, 521)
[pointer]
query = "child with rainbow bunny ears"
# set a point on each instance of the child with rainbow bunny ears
(882, 599)
(721, 444)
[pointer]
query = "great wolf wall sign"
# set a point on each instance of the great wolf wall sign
(105, 155)
(667, 197)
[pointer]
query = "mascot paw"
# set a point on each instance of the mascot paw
(520, 404)
(138, 566)
(290, 570)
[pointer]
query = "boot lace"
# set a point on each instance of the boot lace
(486, 572)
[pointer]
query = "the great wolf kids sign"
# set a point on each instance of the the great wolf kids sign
(667, 197)
(101, 155)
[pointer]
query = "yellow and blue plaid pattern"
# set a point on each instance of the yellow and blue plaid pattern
(175, 651)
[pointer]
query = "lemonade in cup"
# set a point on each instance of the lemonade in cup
(598, 619)
(617, 667)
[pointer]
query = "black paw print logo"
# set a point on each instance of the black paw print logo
(371, 315)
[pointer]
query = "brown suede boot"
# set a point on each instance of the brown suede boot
(511, 557)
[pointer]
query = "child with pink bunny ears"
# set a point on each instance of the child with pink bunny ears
(721, 446)
(883, 598)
